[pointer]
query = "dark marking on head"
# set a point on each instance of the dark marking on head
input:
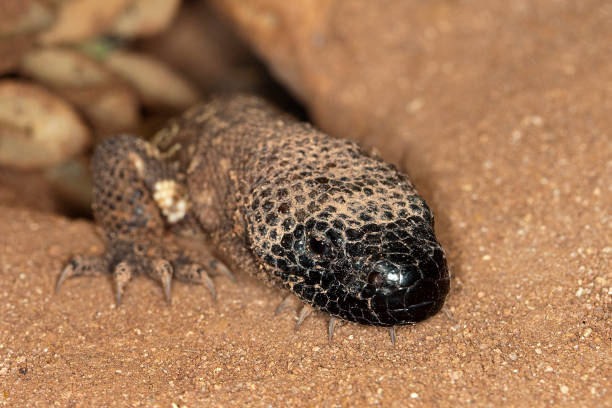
(354, 234)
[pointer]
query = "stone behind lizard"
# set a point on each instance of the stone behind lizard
(237, 181)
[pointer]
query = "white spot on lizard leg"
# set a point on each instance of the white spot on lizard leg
(171, 199)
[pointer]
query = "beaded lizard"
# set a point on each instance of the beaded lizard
(235, 182)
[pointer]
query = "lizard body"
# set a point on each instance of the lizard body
(236, 180)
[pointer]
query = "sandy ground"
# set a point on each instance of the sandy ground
(517, 166)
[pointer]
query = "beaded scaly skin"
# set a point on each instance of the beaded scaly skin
(237, 181)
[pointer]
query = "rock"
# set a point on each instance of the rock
(109, 103)
(20, 21)
(208, 52)
(12, 50)
(80, 20)
(19, 17)
(37, 128)
(145, 18)
(158, 86)
(389, 73)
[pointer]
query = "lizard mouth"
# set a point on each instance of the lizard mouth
(398, 306)
(397, 293)
(410, 305)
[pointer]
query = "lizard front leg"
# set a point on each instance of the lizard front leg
(137, 197)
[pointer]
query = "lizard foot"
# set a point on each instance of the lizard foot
(161, 262)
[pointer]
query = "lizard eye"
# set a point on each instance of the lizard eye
(318, 246)
(376, 279)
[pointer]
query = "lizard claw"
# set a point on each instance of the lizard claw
(194, 273)
(211, 285)
(162, 272)
(167, 285)
(121, 276)
(332, 322)
(118, 295)
(68, 272)
(283, 304)
(221, 267)
(80, 266)
(304, 313)
(392, 335)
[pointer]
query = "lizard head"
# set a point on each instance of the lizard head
(353, 240)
